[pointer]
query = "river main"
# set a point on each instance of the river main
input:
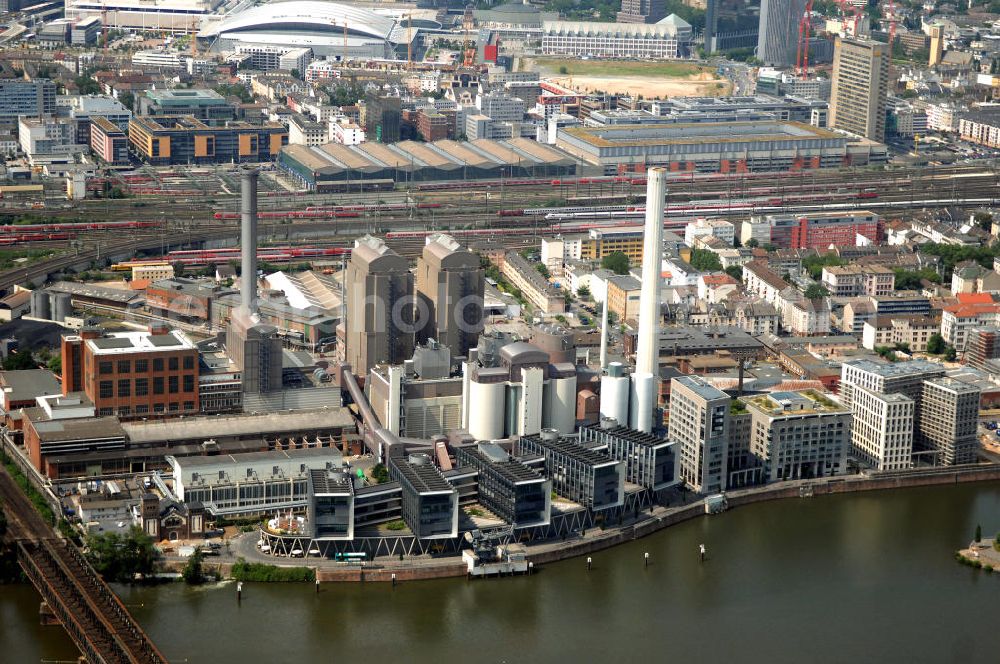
(865, 577)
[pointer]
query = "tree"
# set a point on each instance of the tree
(193, 573)
(55, 364)
(935, 344)
(87, 86)
(816, 291)
(583, 292)
(616, 261)
(122, 557)
(19, 360)
(542, 270)
(984, 220)
(380, 474)
(296, 74)
(752, 243)
(979, 533)
(704, 260)
(735, 271)
(128, 100)
(950, 354)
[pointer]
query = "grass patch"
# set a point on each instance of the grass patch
(620, 68)
(398, 524)
(244, 571)
(36, 498)
(9, 256)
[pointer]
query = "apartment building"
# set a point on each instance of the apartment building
(882, 431)
(799, 435)
(698, 422)
(857, 280)
(949, 420)
(860, 87)
(536, 289)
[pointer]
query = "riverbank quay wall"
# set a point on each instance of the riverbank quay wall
(854, 484)
(661, 518)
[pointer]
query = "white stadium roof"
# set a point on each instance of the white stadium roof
(307, 16)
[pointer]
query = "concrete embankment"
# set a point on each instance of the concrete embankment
(649, 523)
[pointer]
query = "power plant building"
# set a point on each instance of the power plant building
(450, 283)
(378, 294)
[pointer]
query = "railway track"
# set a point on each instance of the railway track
(91, 613)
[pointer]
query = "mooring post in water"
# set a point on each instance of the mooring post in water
(239, 591)
(317, 581)
(393, 579)
(531, 566)
(701, 551)
(590, 562)
(645, 557)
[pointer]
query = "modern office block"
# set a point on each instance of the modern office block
(887, 378)
(430, 503)
(650, 461)
(31, 98)
(777, 41)
(183, 139)
(860, 87)
(949, 420)
(330, 512)
(882, 431)
(799, 435)
(450, 284)
(698, 421)
(514, 492)
(593, 480)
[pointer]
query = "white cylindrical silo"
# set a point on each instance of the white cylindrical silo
(615, 394)
(486, 410)
(562, 404)
(643, 398)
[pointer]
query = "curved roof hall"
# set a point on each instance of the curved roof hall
(309, 15)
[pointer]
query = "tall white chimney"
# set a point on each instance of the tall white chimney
(647, 358)
(248, 239)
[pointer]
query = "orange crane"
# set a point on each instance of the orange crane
(892, 26)
(851, 15)
(104, 24)
(409, 41)
(802, 56)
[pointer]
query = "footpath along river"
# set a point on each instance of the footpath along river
(866, 577)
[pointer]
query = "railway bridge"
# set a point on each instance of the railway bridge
(88, 609)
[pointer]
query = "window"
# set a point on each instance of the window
(188, 383)
(104, 367)
(124, 387)
(124, 411)
(105, 412)
(157, 364)
(141, 366)
(173, 363)
(141, 387)
(141, 409)
(106, 389)
(172, 383)
(158, 385)
(158, 408)
(189, 362)
(188, 405)
(174, 407)
(124, 366)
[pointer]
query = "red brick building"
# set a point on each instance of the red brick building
(133, 374)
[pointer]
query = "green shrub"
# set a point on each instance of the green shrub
(260, 572)
(398, 524)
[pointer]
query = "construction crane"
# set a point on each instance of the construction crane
(892, 26)
(194, 38)
(343, 58)
(802, 56)
(468, 47)
(409, 42)
(852, 15)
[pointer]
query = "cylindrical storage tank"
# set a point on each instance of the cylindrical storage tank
(614, 398)
(40, 305)
(486, 410)
(62, 306)
(643, 398)
(563, 404)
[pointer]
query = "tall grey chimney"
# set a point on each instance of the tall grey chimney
(248, 238)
